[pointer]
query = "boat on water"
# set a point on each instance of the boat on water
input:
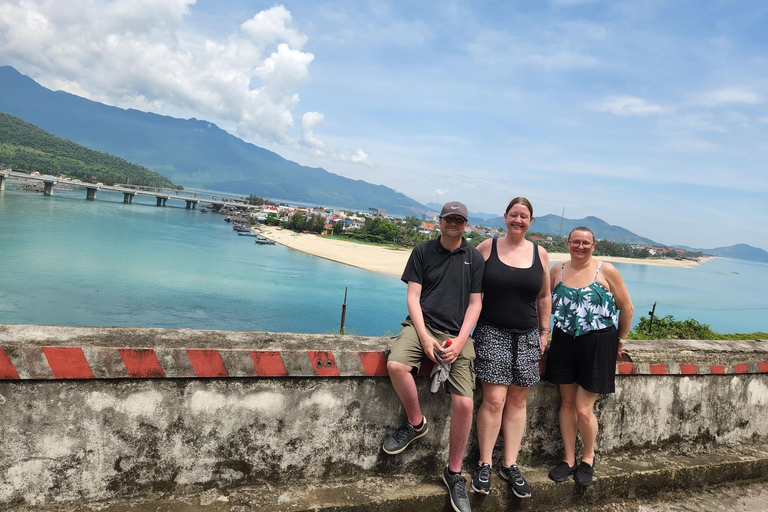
(246, 233)
(264, 241)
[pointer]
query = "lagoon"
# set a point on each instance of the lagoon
(68, 261)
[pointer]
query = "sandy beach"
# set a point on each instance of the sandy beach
(392, 261)
(368, 257)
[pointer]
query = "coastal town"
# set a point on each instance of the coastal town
(327, 232)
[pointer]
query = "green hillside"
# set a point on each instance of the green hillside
(26, 147)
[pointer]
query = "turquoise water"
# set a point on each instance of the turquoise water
(68, 261)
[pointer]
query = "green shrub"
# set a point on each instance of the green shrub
(667, 327)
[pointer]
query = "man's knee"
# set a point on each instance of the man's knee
(462, 405)
(398, 370)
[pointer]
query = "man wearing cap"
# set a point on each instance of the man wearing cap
(444, 278)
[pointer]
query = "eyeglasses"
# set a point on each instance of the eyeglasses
(585, 245)
(454, 219)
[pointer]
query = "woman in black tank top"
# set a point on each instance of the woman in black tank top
(510, 338)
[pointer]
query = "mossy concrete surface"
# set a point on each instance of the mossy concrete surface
(618, 479)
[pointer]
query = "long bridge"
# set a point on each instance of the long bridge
(129, 192)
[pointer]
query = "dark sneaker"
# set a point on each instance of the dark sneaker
(584, 474)
(403, 436)
(562, 471)
(457, 488)
(481, 478)
(517, 483)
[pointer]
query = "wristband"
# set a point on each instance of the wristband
(622, 341)
(545, 329)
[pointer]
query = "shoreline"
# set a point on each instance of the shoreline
(392, 261)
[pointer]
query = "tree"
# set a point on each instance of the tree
(412, 221)
(297, 222)
(256, 200)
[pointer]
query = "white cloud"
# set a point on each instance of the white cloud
(732, 96)
(628, 106)
(273, 26)
(440, 191)
(357, 157)
(308, 123)
(143, 54)
(764, 119)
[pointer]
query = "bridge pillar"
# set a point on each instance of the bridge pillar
(48, 188)
(2, 182)
(165, 201)
(189, 205)
(159, 201)
(127, 197)
(90, 193)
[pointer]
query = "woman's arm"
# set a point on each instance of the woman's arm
(624, 304)
(544, 300)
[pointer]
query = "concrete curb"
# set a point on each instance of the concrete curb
(37, 352)
(84, 362)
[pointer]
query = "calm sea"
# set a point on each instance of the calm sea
(68, 261)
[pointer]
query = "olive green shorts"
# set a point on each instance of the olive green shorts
(406, 348)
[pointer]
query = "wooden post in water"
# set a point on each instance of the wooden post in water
(343, 311)
(651, 312)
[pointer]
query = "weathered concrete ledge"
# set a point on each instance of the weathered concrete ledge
(68, 438)
(55, 352)
(624, 477)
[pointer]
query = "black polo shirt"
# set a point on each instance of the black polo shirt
(447, 278)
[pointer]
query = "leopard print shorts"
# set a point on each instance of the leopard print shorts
(504, 357)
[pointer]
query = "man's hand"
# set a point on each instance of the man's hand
(430, 344)
(450, 351)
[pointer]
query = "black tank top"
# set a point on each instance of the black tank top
(509, 293)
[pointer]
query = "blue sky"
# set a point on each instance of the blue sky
(651, 115)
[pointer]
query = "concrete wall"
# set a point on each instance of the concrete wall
(113, 434)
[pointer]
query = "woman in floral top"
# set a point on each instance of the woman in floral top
(587, 340)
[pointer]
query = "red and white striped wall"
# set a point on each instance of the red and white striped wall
(52, 363)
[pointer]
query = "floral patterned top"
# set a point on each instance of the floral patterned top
(578, 311)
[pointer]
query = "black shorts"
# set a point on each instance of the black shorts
(588, 360)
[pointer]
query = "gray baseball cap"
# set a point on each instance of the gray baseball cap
(454, 208)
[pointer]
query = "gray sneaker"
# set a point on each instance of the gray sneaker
(403, 436)
(517, 483)
(457, 489)
(481, 478)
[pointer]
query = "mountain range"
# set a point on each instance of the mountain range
(197, 153)
(551, 224)
(190, 152)
(738, 251)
